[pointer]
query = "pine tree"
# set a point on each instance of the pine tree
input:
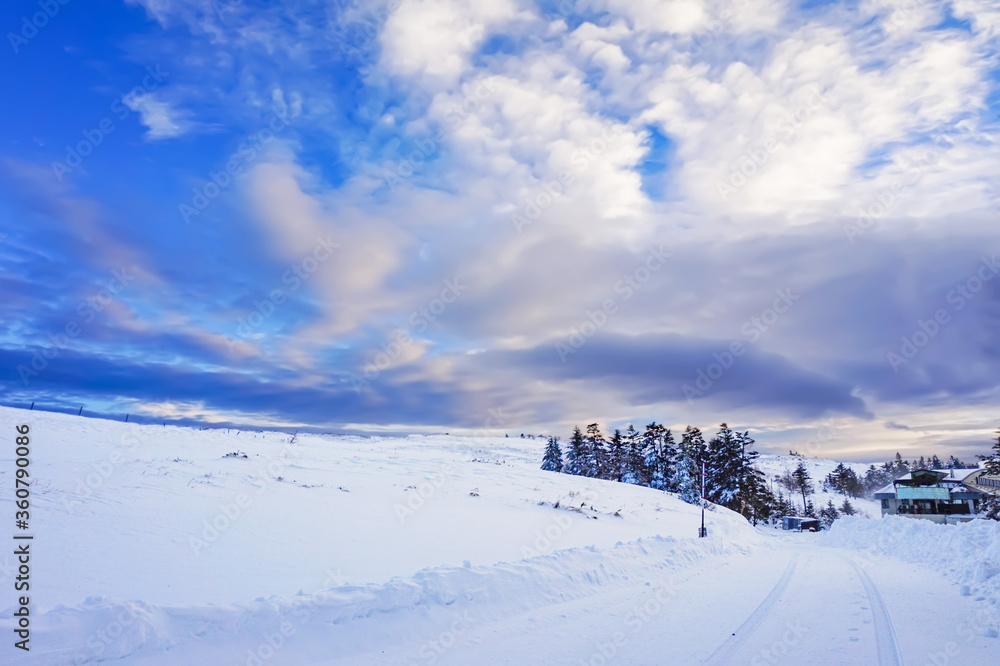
(658, 453)
(844, 480)
(552, 462)
(747, 472)
(616, 456)
(875, 478)
(847, 508)
(685, 480)
(829, 514)
(693, 445)
(803, 483)
(989, 508)
(758, 501)
(992, 461)
(810, 510)
(784, 507)
(723, 468)
(635, 467)
(597, 456)
(729, 465)
(576, 456)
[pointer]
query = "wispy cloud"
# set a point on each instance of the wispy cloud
(162, 119)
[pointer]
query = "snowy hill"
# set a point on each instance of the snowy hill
(819, 468)
(165, 516)
(165, 545)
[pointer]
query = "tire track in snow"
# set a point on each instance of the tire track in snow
(885, 635)
(723, 655)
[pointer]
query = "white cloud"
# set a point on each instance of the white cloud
(436, 37)
(163, 121)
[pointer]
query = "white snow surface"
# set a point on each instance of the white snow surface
(153, 547)
(968, 553)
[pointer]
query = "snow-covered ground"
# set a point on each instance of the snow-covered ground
(154, 547)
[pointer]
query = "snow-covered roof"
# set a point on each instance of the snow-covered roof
(960, 474)
(888, 490)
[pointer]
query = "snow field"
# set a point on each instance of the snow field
(140, 528)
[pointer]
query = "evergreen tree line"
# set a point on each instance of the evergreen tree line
(654, 458)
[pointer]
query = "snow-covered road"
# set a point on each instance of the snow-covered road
(797, 604)
(793, 603)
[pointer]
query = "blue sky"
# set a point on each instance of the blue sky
(415, 215)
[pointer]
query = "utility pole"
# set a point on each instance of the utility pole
(702, 532)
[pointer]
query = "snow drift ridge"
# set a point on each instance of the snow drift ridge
(104, 629)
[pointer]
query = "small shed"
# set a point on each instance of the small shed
(800, 524)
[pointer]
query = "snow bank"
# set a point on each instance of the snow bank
(968, 554)
(102, 629)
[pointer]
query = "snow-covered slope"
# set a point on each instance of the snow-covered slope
(128, 512)
(819, 468)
